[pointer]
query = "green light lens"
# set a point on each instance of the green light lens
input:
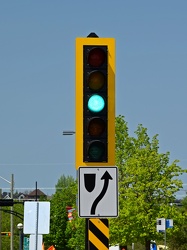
(96, 103)
(96, 151)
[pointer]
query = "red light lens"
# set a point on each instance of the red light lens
(96, 57)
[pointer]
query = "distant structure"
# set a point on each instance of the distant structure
(36, 194)
(33, 195)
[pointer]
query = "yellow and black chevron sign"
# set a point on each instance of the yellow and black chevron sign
(98, 234)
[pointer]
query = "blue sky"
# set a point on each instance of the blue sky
(37, 79)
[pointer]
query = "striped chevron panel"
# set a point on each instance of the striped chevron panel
(98, 234)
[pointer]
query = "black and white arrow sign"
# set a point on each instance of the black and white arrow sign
(106, 177)
(98, 192)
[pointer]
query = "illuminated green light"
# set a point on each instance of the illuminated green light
(96, 103)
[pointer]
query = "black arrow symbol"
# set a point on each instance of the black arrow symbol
(106, 178)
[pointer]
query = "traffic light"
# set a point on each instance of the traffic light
(5, 233)
(95, 95)
(95, 101)
(6, 202)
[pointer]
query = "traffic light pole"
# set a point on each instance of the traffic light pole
(86, 234)
(95, 117)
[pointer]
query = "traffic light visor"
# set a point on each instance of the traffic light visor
(96, 57)
(96, 103)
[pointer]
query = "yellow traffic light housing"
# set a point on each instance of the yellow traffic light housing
(95, 102)
(6, 233)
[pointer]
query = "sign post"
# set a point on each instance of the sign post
(162, 225)
(36, 221)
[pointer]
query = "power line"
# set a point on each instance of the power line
(35, 164)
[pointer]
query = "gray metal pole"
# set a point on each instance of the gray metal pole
(165, 234)
(37, 217)
(11, 216)
(21, 239)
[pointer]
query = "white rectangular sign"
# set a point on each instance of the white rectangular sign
(36, 214)
(161, 225)
(98, 192)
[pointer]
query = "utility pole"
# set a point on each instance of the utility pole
(11, 215)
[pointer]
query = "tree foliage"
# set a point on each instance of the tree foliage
(178, 240)
(64, 182)
(5, 226)
(75, 232)
(147, 185)
(64, 197)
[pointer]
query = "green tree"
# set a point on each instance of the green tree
(178, 240)
(75, 230)
(5, 225)
(64, 182)
(75, 233)
(147, 185)
(64, 197)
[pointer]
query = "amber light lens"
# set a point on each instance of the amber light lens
(96, 80)
(96, 127)
(96, 57)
